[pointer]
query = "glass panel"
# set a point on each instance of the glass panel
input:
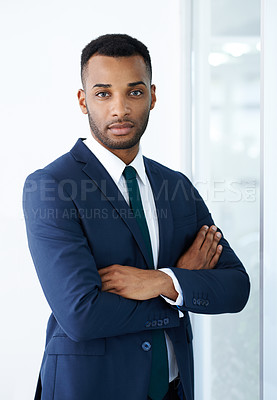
(226, 172)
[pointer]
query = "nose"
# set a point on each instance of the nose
(120, 107)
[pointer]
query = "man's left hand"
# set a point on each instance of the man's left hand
(135, 283)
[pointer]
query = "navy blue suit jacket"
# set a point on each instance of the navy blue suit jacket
(98, 344)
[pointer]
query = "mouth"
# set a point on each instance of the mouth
(121, 128)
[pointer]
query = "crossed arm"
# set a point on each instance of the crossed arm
(139, 284)
(88, 305)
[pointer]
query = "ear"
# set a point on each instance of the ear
(153, 97)
(82, 100)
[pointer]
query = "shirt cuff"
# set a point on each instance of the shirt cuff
(179, 301)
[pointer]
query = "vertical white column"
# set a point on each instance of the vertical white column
(269, 198)
(186, 86)
(201, 14)
(200, 170)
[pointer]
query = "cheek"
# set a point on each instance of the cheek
(97, 114)
(143, 114)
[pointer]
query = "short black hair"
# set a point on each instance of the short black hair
(115, 45)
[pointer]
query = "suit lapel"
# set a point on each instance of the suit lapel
(99, 175)
(159, 185)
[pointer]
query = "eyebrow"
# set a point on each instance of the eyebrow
(132, 84)
(108, 85)
(102, 85)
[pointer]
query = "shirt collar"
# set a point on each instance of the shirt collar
(138, 164)
(114, 165)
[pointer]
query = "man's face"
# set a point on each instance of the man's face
(117, 98)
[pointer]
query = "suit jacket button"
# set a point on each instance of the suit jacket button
(194, 301)
(147, 324)
(160, 322)
(166, 321)
(154, 323)
(146, 346)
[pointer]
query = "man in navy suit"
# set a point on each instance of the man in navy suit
(123, 247)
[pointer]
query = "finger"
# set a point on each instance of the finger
(200, 237)
(105, 278)
(109, 285)
(106, 270)
(212, 250)
(106, 286)
(208, 239)
(102, 272)
(215, 258)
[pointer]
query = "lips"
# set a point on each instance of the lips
(121, 128)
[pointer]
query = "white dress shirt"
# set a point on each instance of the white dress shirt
(115, 167)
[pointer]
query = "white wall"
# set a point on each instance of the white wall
(41, 44)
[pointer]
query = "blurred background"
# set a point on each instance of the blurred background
(206, 57)
(226, 169)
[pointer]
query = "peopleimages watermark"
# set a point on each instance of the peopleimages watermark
(52, 213)
(67, 190)
(228, 190)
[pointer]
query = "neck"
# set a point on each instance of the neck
(126, 155)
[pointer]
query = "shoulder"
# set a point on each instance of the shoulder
(166, 172)
(65, 166)
(55, 170)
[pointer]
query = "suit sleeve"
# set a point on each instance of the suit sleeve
(224, 289)
(68, 273)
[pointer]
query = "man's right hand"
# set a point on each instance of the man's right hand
(204, 252)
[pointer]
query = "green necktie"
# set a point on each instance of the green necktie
(159, 368)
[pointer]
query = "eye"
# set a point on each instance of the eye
(102, 95)
(136, 92)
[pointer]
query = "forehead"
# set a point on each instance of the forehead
(116, 70)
